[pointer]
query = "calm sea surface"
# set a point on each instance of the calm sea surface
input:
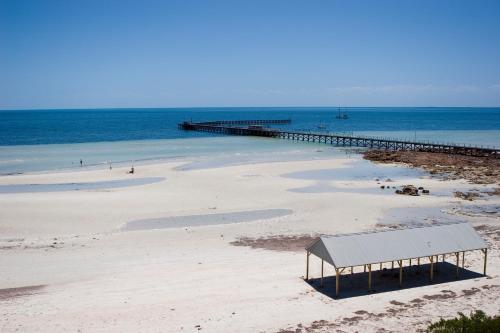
(38, 140)
(76, 126)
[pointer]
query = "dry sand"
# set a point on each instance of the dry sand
(67, 265)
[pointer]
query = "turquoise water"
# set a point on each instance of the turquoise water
(40, 140)
(204, 152)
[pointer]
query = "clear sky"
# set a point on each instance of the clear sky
(78, 54)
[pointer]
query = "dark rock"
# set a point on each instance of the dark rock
(408, 190)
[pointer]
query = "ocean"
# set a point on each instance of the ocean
(41, 140)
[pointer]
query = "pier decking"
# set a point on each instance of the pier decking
(256, 128)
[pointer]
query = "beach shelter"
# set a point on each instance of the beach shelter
(396, 245)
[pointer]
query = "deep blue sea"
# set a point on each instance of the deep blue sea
(29, 127)
(44, 140)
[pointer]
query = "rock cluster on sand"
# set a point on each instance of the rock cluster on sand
(412, 190)
(408, 190)
(466, 195)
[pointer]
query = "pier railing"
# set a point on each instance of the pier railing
(256, 128)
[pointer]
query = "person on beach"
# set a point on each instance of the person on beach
(81, 162)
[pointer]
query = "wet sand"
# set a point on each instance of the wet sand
(296, 243)
(10, 293)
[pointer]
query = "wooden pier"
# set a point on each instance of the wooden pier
(256, 128)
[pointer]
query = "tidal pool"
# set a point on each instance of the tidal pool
(205, 219)
(359, 170)
(59, 187)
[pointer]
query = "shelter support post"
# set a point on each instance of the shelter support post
(431, 258)
(485, 251)
(380, 266)
(418, 261)
(400, 263)
(322, 268)
(457, 254)
(307, 265)
(352, 270)
(364, 268)
(337, 281)
(369, 277)
(463, 259)
(392, 265)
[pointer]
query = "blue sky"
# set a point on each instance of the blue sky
(78, 54)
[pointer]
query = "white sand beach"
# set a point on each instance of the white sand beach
(69, 263)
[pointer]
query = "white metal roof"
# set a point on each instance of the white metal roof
(388, 245)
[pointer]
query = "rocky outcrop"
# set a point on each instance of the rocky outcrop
(477, 170)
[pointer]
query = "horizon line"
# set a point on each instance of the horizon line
(241, 107)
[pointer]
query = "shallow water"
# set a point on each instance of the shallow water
(486, 138)
(224, 160)
(205, 219)
(324, 187)
(412, 216)
(60, 187)
(487, 210)
(205, 152)
(358, 170)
